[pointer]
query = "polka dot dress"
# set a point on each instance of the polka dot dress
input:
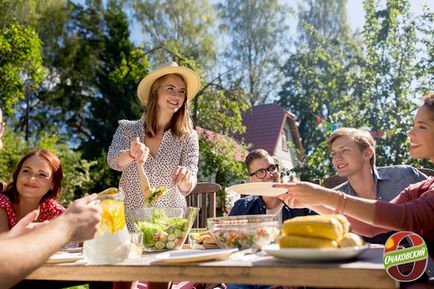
(173, 151)
(48, 210)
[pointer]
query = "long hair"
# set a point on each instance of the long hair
(180, 124)
(11, 189)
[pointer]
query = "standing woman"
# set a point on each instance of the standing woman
(35, 185)
(163, 140)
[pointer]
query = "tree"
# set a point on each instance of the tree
(21, 69)
(327, 17)
(257, 39)
(178, 30)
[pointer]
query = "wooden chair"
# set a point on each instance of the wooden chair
(204, 197)
(333, 181)
(428, 172)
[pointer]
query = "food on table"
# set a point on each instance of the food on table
(306, 242)
(156, 194)
(326, 231)
(203, 238)
(351, 240)
(161, 232)
(243, 232)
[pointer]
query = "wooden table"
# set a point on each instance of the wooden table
(365, 272)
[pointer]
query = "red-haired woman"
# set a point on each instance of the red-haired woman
(35, 185)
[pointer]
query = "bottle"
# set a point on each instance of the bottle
(111, 243)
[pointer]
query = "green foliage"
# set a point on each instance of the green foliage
(21, 68)
(357, 87)
(178, 29)
(258, 37)
(219, 158)
(76, 171)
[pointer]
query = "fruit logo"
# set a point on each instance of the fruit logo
(405, 256)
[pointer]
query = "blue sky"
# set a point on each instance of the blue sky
(355, 12)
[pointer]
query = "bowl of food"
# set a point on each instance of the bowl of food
(163, 228)
(243, 232)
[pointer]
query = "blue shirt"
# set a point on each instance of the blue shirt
(255, 205)
(389, 182)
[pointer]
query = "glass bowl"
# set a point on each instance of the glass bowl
(244, 232)
(163, 228)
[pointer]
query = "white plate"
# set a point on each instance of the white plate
(308, 254)
(257, 189)
(187, 256)
(63, 257)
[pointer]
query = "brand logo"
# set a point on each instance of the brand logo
(405, 256)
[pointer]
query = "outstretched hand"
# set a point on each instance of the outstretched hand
(25, 225)
(82, 218)
(305, 195)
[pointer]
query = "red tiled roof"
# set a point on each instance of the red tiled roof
(264, 124)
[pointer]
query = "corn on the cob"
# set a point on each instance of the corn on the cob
(351, 240)
(306, 242)
(327, 227)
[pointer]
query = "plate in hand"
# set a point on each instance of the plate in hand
(257, 189)
(312, 254)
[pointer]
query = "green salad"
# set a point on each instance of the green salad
(156, 194)
(161, 232)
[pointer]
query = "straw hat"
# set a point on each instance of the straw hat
(190, 77)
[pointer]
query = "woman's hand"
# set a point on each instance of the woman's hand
(306, 195)
(138, 151)
(181, 177)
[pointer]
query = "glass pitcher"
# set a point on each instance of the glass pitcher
(111, 243)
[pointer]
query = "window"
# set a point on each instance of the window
(285, 140)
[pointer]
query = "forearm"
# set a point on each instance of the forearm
(22, 255)
(360, 209)
(322, 210)
(124, 158)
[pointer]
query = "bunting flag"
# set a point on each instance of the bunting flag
(376, 134)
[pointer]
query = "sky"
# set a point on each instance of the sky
(355, 11)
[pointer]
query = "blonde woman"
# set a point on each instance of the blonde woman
(163, 140)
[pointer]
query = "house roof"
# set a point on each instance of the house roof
(264, 124)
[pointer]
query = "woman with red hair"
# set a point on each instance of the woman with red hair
(35, 185)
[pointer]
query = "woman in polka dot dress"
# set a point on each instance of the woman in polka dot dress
(163, 140)
(35, 185)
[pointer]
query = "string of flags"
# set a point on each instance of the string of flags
(322, 123)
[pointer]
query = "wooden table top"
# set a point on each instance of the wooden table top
(367, 271)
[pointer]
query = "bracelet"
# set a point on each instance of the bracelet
(341, 202)
(130, 155)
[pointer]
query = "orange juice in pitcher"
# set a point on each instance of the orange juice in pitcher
(112, 242)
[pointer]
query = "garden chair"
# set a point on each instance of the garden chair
(204, 197)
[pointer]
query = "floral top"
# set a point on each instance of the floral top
(48, 210)
(173, 151)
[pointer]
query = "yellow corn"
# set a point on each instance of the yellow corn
(351, 240)
(306, 242)
(327, 227)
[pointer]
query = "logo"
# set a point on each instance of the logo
(405, 256)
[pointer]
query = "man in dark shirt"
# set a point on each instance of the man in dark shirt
(262, 167)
